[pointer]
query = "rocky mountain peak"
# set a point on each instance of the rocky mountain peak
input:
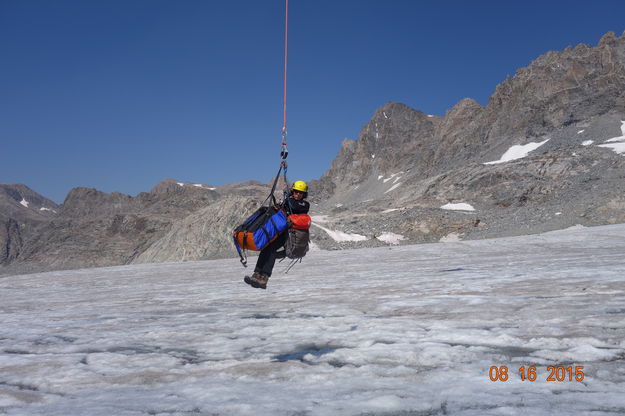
(21, 203)
(557, 89)
(394, 132)
(464, 107)
(610, 39)
(92, 202)
(21, 211)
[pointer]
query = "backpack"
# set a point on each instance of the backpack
(296, 245)
(259, 229)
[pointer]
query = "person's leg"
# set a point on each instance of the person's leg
(267, 258)
(264, 259)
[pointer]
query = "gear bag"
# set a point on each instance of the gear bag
(296, 245)
(259, 229)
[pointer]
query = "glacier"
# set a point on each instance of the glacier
(401, 330)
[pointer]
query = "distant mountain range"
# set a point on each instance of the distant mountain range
(547, 152)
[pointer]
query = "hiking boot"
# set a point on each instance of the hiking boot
(257, 280)
(251, 280)
(261, 281)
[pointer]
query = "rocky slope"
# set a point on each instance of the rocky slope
(406, 165)
(558, 89)
(93, 228)
(21, 210)
(546, 152)
(21, 203)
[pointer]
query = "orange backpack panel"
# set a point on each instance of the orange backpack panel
(300, 221)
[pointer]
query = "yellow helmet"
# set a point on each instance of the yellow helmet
(300, 186)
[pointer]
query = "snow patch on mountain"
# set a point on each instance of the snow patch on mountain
(24, 202)
(320, 218)
(199, 185)
(391, 238)
(616, 143)
(392, 188)
(394, 175)
(341, 236)
(517, 152)
(451, 238)
(617, 147)
(463, 206)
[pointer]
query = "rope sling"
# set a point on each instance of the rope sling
(284, 151)
(271, 201)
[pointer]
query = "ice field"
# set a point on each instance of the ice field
(408, 330)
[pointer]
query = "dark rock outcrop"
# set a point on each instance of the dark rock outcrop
(10, 241)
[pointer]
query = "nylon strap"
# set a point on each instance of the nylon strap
(271, 196)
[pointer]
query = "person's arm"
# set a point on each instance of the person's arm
(298, 207)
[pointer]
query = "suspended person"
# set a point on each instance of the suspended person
(294, 203)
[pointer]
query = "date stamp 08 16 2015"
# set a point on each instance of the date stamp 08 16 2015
(555, 373)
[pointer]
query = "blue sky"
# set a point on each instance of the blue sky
(118, 95)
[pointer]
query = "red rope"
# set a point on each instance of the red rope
(286, 54)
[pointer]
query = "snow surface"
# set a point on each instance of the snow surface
(587, 142)
(517, 152)
(24, 202)
(617, 147)
(408, 330)
(341, 236)
(459, 207)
